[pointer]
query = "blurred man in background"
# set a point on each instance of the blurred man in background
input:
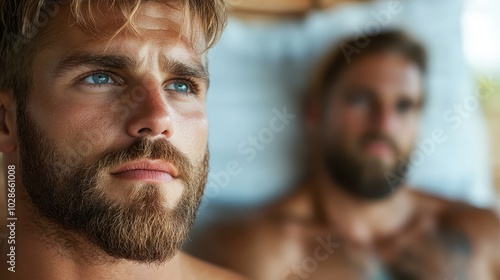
(355, 217)
(261, 68)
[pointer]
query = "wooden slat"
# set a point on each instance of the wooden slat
(324, 4)
(284, 6)
(271, 6)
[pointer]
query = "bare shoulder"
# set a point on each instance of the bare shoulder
(202, 270)
(480, 225)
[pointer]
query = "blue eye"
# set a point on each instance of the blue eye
(98, 79)
(179, 86)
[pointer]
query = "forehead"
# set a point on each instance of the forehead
(387, 70)
(158, 27)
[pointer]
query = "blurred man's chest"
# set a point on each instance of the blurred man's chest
(435, 255)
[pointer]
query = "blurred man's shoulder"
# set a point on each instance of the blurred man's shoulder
(480, 225)
(203, 270)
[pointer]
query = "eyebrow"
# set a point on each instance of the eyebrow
(181, 69)
(75, 61)
(359, 89)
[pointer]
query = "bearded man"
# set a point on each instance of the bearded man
(103, 131)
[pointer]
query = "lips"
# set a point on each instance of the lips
(378, 148)
(152, 170)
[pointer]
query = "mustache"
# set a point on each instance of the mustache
(370, 137)
(145, 148)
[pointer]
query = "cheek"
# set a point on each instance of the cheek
(79, 130)
(350, 123)
(191, 132)
(408, 135)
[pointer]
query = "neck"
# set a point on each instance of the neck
(360, 221)
(45, 250)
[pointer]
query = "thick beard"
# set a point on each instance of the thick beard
(366, 179)
(70, 196)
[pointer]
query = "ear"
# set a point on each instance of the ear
(8, 132)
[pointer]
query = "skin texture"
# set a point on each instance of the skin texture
(323, 231)
(156, 85)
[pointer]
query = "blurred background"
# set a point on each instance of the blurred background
(260, 72)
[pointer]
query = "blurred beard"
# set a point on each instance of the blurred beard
(362, 177)
(72, 196)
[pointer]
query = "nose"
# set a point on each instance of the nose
(385, 119)
(151, 116)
